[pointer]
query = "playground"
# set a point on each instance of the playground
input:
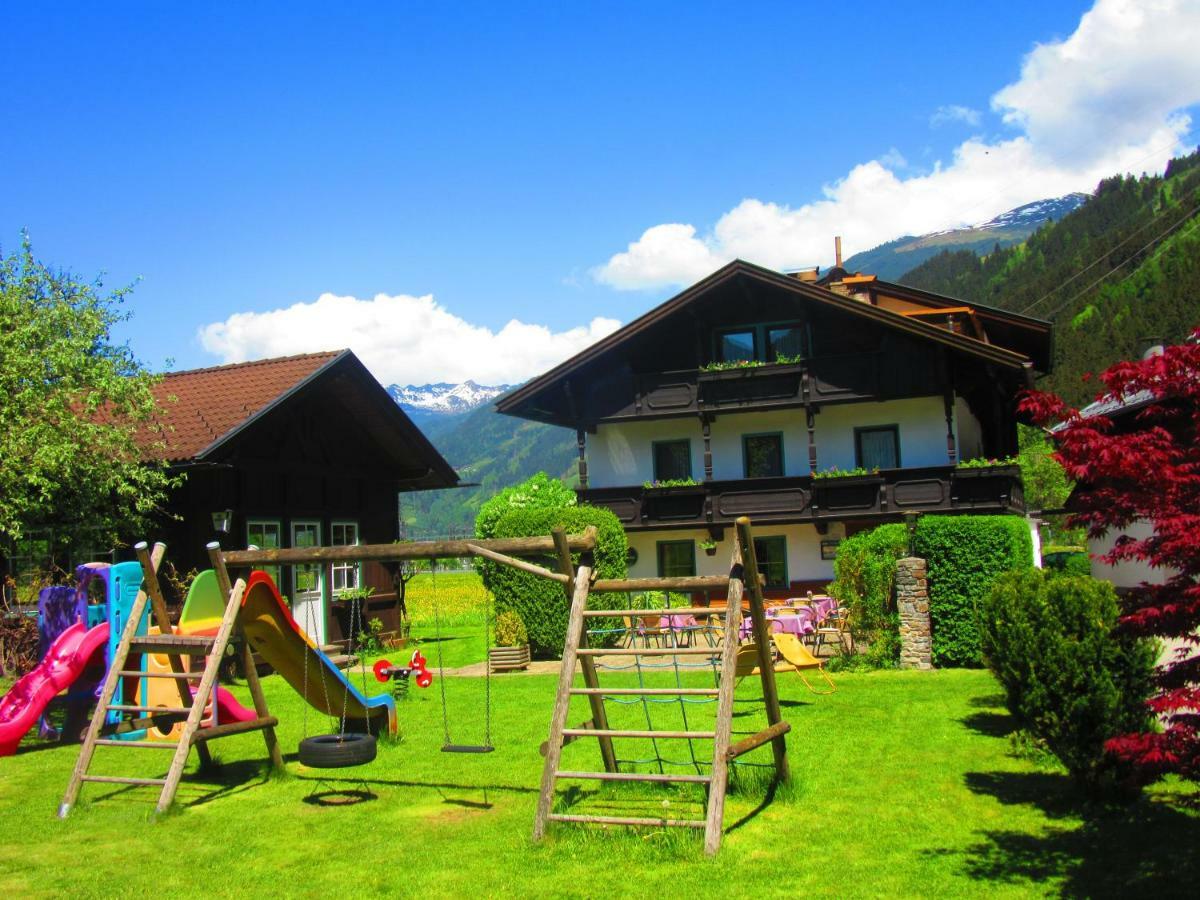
(901, 783)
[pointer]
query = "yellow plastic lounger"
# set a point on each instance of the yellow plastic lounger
(793, 657)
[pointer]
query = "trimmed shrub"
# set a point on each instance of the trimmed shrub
(964, 556)
(541, 603)
(864, 578)
(538, 491)
(510, 630)
(1070, 678)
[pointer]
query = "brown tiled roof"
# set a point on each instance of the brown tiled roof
(201, 406)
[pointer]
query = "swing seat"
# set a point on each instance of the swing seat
(338, 751)
(467, 748)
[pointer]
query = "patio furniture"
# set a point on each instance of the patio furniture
(790, 656)
(834, 628)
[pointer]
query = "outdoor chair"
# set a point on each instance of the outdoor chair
(834, 628)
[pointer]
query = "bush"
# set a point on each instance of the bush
(538, 491)
(541, 603)
(1069, 677)
(864, 575)
(964, 556)
(510, 630)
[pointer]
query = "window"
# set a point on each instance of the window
(264, 534)
(733, 346)
(676, 559)
(764, 343)
(762, 455)
(771, 553)
(785, 340)
(672, 460)
(346, 576)
(877, 448)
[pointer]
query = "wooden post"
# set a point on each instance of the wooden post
(590, 679)
(252, 682)
(714, 820)
(562, 702)
(581, 442)
(163, 621)
(762, 637)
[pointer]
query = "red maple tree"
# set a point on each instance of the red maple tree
(1136, 458)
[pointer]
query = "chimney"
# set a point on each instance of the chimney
(837, 251)
(809, 274)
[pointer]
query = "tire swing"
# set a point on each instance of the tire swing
(344, 749)
(449, 746)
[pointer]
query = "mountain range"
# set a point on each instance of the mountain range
(431, 401)
(891, 260)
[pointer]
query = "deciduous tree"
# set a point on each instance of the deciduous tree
(71, 401)
(1146, 468)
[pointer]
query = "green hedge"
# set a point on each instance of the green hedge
(538, 491)
(1070, 677)
(541, 603)
(964, 557)
(864, 575)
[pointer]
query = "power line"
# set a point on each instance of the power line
(1076, 296)
(1099, 259)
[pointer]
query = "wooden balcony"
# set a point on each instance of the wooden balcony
(884, 496)
(820, 380)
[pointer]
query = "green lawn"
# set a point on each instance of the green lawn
(902, 786)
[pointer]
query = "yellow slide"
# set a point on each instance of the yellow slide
(275, 636)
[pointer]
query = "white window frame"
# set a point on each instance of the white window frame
(320, 569)
(349, 572)
(273, 571)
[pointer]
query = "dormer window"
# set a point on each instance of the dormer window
(766, 343)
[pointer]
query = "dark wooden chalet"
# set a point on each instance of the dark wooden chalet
(753, 384)
(296, 451)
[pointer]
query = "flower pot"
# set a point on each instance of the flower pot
(710, 551)
(508, 659)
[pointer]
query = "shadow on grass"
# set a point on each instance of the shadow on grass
(991, 724)
(1144, 849)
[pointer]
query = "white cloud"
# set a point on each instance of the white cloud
(1112, 97)
(944, 115)
(401, 339)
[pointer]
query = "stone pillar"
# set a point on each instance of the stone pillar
(912, 600)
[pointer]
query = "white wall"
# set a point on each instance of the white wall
(621, 454)
(1129, 573)
(803, 550)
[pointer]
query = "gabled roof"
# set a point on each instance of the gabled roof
(801, 290)
(201, 408)
(203, 411)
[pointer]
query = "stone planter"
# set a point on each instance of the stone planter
(508, 659)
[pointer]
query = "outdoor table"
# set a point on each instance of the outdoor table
(799, 624)
(681, 626)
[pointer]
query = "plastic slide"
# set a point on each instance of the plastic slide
(68, 658)
(229, 710)
(275, 636)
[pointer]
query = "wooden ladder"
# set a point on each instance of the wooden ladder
(192, 703)
(744, 566)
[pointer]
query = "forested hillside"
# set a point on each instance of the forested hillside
(492, 451)
(1121, 269)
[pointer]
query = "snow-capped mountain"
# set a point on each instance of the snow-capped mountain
(443, 399)
(891, 260)
(1037, 212)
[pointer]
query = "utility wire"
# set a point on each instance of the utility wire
(1133, 256)
(1099, 259)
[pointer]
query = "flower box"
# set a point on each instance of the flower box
(508, 659)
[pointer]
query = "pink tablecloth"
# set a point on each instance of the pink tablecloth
(799, 623)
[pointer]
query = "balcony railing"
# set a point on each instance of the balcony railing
(884, 495)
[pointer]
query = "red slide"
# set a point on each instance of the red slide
(67, 659)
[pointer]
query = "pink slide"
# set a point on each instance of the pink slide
(229, 710)
(67, 659)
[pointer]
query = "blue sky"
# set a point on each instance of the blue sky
(562, 165)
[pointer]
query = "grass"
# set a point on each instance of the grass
(903, 785)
